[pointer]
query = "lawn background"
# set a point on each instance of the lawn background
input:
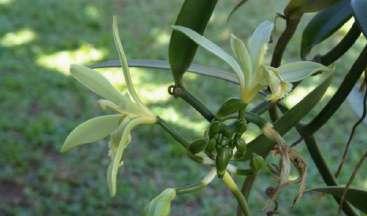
(40, 103)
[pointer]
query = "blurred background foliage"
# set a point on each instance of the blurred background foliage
(40, 103)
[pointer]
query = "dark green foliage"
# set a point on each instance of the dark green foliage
(194, 14)
(359, 10)
(324, 24)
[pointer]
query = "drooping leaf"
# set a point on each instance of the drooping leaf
(354, 196)
(194, 14)
(262, 145)
(297, 71)
(306, 6)
(231, 106)
(91, 131)
(97, 83)
(164, 65)
(359, 9)
(161, 204)
(258, 43)
(324, 24)
(213, 48)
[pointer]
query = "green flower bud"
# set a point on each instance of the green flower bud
(240, 126)
(210, 148)
(258, 163)
(198, 146)
(228, 131)
(215, 128)
(161, 204)
(241, 145)
(224, 155)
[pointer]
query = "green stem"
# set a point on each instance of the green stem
(350, 181)
(179, 139)
(291, 27)
(196, 187)
(231, 184)
(341, 94)
(255, 119)
(180, 91)
(173, 133)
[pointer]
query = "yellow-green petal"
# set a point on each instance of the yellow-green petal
(297, 71)
(258, 42)
(91, 131)
(96, 83)
(242, 54)
(161, 204)
(116, 153)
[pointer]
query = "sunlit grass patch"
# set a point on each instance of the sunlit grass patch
(61, 60)
(20, 37)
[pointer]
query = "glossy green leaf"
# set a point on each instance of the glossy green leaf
(164, 65)
(91, 131)
(258, 43)
(324, 24)
(262, 145)
(354, 196)
(194, 14)
(360, 13)
(161, 204)
(231, 106)
(213, 48)
(308, 5)
(97, 83)
(297, 71)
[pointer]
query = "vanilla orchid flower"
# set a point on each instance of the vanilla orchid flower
(249, 64)
(130, 112)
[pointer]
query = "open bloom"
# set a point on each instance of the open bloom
(249, 63)
(130, 112)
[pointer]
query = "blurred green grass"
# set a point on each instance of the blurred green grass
(40, 104)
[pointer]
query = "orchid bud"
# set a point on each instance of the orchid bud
(224, 155)
(161, 204)
(198, 146)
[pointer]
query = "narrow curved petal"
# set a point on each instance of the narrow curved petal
(123, 60)
(213, 48)
(116, 152)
